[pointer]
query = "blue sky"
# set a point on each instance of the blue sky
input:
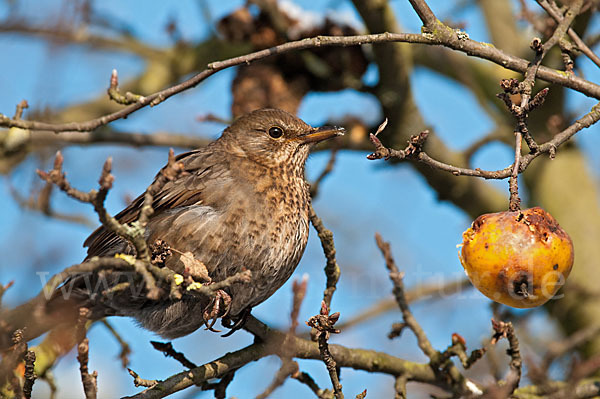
(423, 231)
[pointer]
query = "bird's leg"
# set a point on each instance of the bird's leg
(212, 311)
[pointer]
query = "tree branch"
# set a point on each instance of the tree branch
(332, 270)
(414, 152)
(550, 9)
(445, 37)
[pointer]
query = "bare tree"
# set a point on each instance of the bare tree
(520, 81)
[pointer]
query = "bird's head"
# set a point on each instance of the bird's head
(272, 137)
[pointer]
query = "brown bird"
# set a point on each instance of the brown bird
(241, 203)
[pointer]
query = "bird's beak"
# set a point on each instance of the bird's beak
(321, 133)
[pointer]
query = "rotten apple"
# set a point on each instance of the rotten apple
(518, 258)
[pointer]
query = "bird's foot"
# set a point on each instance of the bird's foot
(218, 306)
(237, 322)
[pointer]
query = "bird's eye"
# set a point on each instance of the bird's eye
(275, 132)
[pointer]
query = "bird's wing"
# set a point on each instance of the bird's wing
(200, 165)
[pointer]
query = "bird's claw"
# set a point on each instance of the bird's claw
(236, 323)
(213, 310)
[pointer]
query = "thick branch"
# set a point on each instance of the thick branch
(272, 342)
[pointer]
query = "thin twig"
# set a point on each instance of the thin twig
(125, 348)
(361, 395)
(314, 186)
(172, 171)
(48, 377)
(332, 270)
(221, 387)
(115, 95)
(29, 374)
(124, 42)
(468, 153)
(167, 349)
(287, 369)
(20, 108)
(542, 50)
(418, 293)
(89, 381)
(141, 382)
(558, 349)
(299, 291)
(550, 9)
(307, 380)
(525, 89)
(324, 323)
(210, 117)
(132, 233)
(41, 203)
(109, 135)
(436, 360)
(3, 289)
(583, 369)
(513, 182)
(506, 330)
(243, 277)
(97, 198)
(458, 348)
(397, 279)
